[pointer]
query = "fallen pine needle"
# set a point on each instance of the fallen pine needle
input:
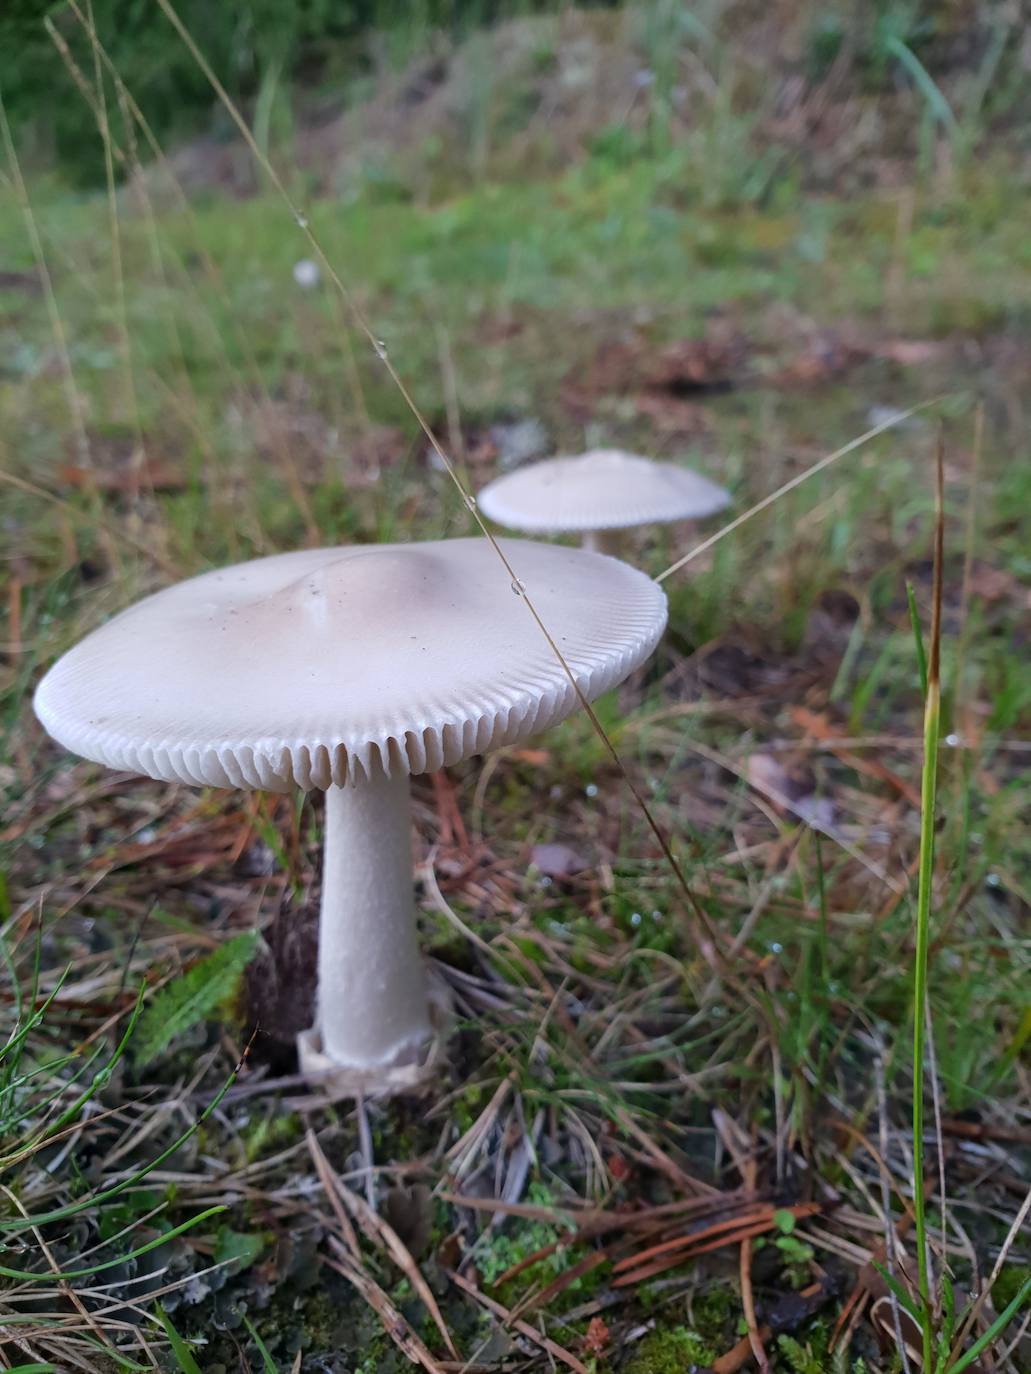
(394, 1323)
(383, 1235)
(557, 1352)
(739, 1354)
(755, 1335)
(671, 1253)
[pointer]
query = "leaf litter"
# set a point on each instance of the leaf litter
(590, 1056)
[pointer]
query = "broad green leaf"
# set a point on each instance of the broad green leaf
(784, 1221)
(241, 1248)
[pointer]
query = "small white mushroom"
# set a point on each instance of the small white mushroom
(307, 273)
(348, 669)
(597, 495)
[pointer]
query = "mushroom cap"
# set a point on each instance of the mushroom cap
(601, 490)
(332, 665)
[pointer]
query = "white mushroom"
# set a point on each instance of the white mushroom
(597, 495)
(306, 273)
(349, 669)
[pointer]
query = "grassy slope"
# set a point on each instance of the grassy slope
(248, 406)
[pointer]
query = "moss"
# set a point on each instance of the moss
(269, 1133)
(521, 1239)
(670, 1351)
(807, 1353)
(1008, 1284)
(468, 1107)
(715, 1314)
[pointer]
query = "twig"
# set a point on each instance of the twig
(330, 1184)
(382, 1234)
(557, 1352)
(755, 1338)
(365, 1145)
(394, 1322)
(971, 1317)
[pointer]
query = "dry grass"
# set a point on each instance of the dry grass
(675, 1097)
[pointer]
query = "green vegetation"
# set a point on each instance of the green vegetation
(669, 1352)
(740, 272)
(196, 994)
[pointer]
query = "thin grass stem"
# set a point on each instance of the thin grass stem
(928, 793)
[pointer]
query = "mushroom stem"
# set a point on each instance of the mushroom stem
(373, 1008)
(602, 541)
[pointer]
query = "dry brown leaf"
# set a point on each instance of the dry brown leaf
(596, 1337)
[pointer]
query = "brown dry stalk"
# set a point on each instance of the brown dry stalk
(669, 1254)
(557, 1352)
(329, 1186)
(383, 1235)
(739, 1355)
(775, 496)
(755, 1336)
(394, 1322)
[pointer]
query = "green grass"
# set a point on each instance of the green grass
(258, 410)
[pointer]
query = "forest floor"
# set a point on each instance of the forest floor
(710, 292)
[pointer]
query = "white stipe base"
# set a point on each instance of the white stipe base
(338, 1081)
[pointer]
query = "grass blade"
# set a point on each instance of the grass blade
(266, 1358)
(928, 794)
(28, 1275)
(925, 83)
(995, 1330)
(181, 1351)
(918, 639)
(102, 1076)
(20, 1224)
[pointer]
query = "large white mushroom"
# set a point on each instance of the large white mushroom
(348, 669)
(597, 495)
